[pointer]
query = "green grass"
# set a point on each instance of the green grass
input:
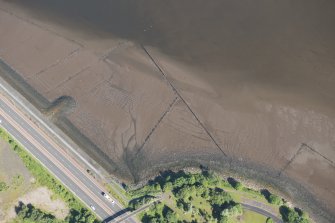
(252, 217)
(238, 195)
(116, 194)
(43, 176)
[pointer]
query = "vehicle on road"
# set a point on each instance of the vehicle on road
(107, 197)
(92, 207)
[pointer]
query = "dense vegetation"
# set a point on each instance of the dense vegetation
(197, 196)
(293, 215)
(30, 214)
(43, 177)
(202, 197)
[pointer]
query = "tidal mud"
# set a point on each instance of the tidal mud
(142, 86)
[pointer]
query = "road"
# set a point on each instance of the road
(262, 212)
(55, 159)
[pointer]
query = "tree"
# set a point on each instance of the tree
(167, 186)
(224, 219)
(231, 211)
(292, 216)
(170, 216)
(191, 180)
(205, 194)
(157, 187)
(219, 197)
(29, 214)
(138, 202)
(180, 204)
(187, 207)
(180, 182)
(184, 192)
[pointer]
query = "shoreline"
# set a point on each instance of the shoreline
(287, 188)
(222, 165)
(265, 176)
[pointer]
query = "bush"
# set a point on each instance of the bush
(274, 199)
(235, 184)
(238, 186)
(3, 186)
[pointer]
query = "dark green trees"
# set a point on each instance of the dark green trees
(293, 215)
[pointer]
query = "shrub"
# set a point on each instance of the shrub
(3, 186)
(138, 202)
(274, 199)
(238, 186)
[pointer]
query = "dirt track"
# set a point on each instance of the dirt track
(245, 87)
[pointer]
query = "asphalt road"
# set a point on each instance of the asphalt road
(262, 212)
(57, 161)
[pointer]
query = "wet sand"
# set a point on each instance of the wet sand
(242, 86)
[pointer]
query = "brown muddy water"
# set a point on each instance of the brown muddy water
(283, 50)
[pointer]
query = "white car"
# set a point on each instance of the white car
(92, 207)
(108, 197)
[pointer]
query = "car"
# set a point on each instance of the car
(92, 207)
(107, 197)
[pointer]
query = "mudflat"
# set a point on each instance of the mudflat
(239, 86)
